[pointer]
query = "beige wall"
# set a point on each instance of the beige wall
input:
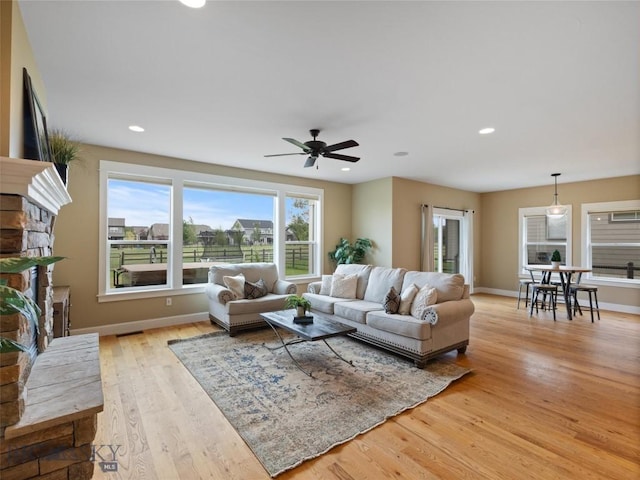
(16, 55)
(408, 196)
(76, 232)
(499, 235)
(373, 218)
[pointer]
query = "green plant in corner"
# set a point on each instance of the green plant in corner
(296, 301)
(13, 301)
(346, 252)
(555, 256)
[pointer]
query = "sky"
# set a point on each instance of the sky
(143, 204)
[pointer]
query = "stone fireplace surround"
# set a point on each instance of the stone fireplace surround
(48, 406)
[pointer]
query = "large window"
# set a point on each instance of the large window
(162, 229)
(302, 235)
(611, 241)
(540, 235)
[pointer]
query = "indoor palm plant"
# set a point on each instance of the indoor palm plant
(346, 252)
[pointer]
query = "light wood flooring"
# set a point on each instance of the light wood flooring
(545, 400)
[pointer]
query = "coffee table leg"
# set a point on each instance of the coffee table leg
(350, 362)
(284, 344)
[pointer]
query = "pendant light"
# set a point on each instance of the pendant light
(556, 210)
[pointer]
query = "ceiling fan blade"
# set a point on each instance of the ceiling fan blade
(297, 144)
(337, 156)
(341, 145)
(310, 162)
(284, 154)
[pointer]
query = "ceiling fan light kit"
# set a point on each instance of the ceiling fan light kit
(316, 148)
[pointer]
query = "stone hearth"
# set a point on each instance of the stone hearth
(49, 402)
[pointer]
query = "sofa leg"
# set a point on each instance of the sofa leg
(420, 363)
(462, 350)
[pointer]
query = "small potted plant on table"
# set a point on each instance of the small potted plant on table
(302, 305)
(555, 259)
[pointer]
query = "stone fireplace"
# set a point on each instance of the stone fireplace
(49, 397)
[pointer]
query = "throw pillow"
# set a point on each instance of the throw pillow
(235, 284)
(391, 301)
(425, 297)
(325, 288)
(406, 298)
(255, 290)
(344, 286)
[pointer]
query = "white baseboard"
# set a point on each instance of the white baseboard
(139, 325)
(613, 307)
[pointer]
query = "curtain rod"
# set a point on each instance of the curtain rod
(449, 208)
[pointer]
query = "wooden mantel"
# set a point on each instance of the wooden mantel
(39, 182)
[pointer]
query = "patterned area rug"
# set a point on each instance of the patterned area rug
(285, 416)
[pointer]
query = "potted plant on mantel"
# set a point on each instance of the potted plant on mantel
(64, 150)
(556, 259)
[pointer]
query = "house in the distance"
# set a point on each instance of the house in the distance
(116, 228)
(254, 231)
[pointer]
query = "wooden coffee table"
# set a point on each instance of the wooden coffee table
(321, 329)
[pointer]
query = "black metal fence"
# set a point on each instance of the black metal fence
(296, 258)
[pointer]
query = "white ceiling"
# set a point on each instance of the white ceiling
(223, 84)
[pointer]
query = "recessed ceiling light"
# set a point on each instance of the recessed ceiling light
(345, 169)
(194, 3)
(485, 131)
(136, 128)
(401, 154)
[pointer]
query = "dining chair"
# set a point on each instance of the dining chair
(546, 290)
(526, 284)
(591, 290)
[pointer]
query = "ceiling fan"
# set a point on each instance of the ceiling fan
(314, 148)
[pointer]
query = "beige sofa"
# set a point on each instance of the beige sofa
(443, 327)
(235, 314)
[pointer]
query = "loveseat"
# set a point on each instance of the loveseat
(238, 293)
(435, 319)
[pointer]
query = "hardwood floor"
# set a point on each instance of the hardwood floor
(545, 400)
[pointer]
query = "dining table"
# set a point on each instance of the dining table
(565, 272)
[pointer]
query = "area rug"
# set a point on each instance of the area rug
(285, 416)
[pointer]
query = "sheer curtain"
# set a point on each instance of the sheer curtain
(426, 244)
(467, 248)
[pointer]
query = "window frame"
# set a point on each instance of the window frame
(178, 179)
(314, 232)
(525, 212)
(586, 257)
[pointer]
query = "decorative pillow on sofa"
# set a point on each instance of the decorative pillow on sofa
(325, 289)
(406, 298)
(255, 290)
(391, 301)
(235, 284)
(344, 286)
(425, 297)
